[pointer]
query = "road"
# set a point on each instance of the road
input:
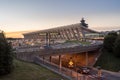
(106, 75)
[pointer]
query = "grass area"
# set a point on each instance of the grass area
(108, 61)
(85, 43)
(76, 41)
(72, 41)
(30, 71)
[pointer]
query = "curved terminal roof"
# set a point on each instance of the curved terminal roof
(78, 25)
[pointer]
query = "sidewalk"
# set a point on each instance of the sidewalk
(109, 75)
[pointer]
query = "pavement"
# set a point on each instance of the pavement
(106, 75)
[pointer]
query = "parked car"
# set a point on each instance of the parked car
(83, 70)
(47, 47)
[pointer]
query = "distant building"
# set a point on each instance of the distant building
(69, 32)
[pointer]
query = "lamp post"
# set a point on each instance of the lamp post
(99, 73)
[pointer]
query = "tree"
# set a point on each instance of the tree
(6, 58)
(113, 33)
(117, 47)
(109, 41)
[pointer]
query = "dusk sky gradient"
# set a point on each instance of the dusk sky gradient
(22, 15)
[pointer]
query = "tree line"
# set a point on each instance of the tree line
(6, 58)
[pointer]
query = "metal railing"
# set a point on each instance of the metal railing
(68, 73)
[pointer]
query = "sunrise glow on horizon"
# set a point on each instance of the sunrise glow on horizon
(23, 15)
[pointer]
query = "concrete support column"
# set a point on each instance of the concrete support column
(61, 37)
(49, 38)
(65, 35)
(60, 63)
(43, 59)
(86, 54)
(81, 33)
(70, 34)
(46, 39)
(65, 31)
(62, 33)
(50, 58)
(78, 33)
(54, 37)
(75, 37)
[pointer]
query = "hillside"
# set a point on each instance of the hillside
(108, 61)
(30, 71)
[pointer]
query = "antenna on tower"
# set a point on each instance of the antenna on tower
(83, 23)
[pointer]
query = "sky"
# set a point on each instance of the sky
(23, 15)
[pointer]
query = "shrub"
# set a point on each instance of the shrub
(117, 47)
(109, 41)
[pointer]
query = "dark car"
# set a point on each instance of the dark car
(83, 70)
(47, 47)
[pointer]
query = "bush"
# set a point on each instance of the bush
(117, 47)
(5, 56)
